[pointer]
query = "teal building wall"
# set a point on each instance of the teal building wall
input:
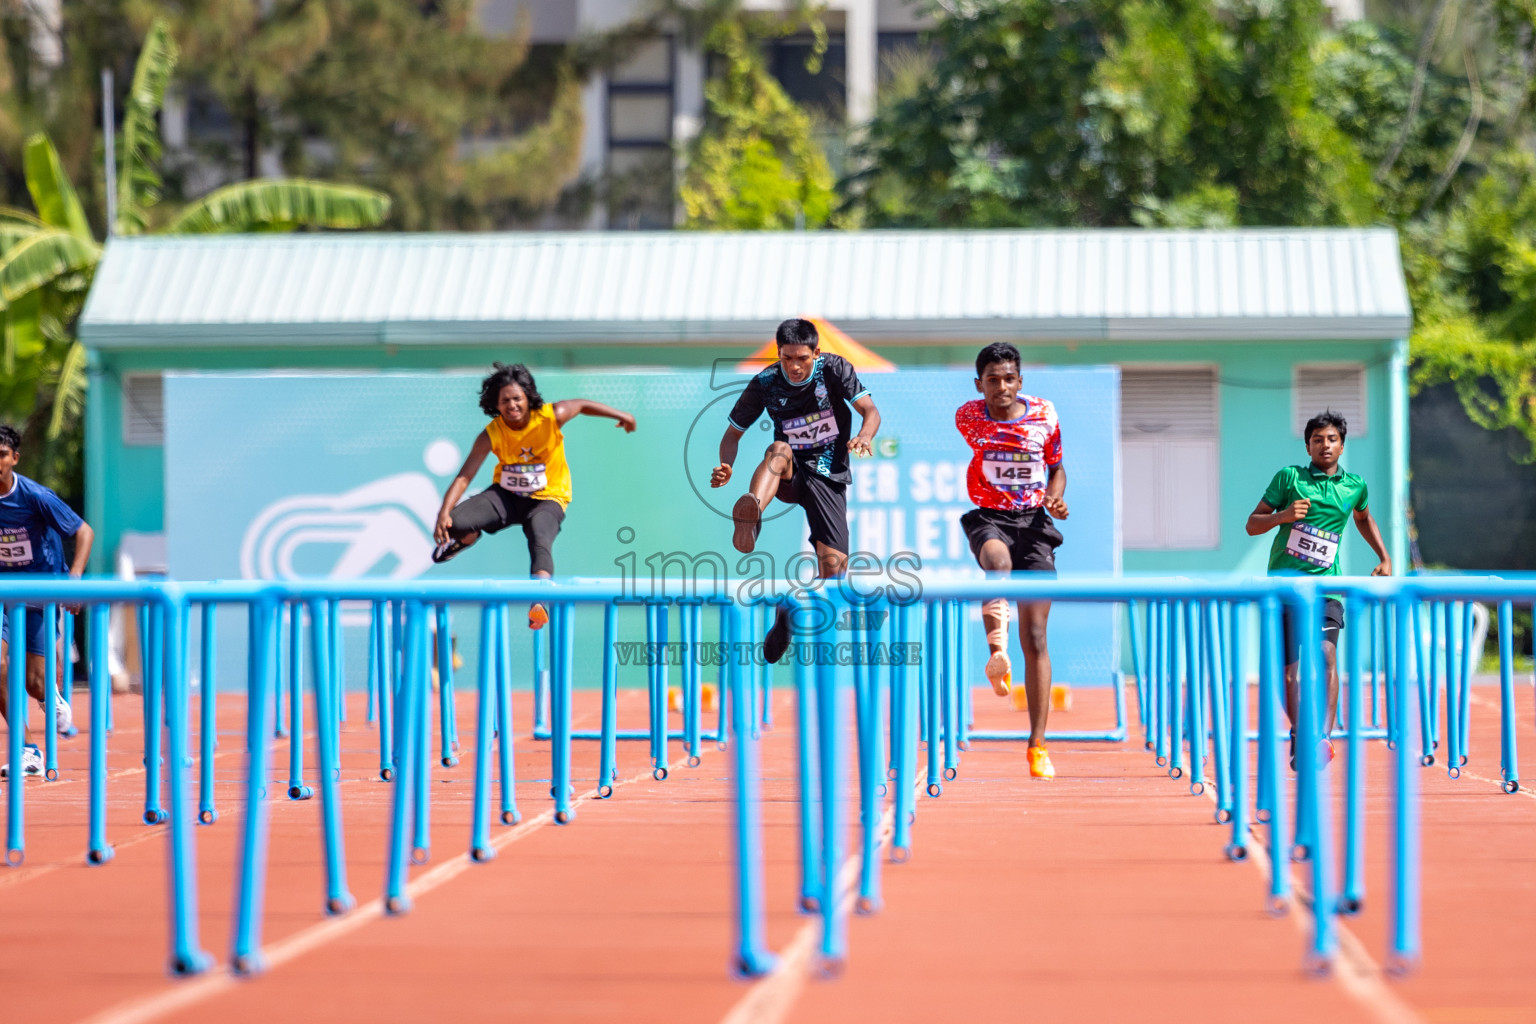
(125, 483)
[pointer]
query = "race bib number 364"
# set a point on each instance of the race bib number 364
(814, 431)
(15, 547)
(1013, 471)
(1311, 545)
(523, 477)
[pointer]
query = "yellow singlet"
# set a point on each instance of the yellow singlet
(531, 461)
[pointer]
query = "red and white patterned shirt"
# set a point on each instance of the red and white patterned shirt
(1011, 459)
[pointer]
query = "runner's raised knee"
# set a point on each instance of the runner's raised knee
(995, 558)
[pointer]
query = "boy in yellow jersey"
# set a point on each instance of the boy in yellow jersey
(533, 483)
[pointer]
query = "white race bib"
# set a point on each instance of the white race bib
(814, 431)
(523, 477)
(15, 547)
(1013, 471)
(1311, 545)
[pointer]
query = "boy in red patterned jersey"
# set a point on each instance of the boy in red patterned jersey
(1016, 478)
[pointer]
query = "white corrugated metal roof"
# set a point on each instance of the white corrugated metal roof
(704, 286)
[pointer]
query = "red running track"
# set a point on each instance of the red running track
(1103, 895)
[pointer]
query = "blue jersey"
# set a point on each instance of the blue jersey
(33, 524)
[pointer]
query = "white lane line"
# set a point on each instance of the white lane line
(1356, 972)
(772, 996)
(1525, 790)
(193, 991)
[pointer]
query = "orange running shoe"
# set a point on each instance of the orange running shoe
(1000, 673)
(538, 616)
(1040, 766)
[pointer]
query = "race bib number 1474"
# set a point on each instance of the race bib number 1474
(813, 431)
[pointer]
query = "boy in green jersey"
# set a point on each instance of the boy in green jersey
(1311, 505)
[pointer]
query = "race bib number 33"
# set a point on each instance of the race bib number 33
(1311, 545)
(15, 547)
(523, 477)
(813, 431)
(1013, 471)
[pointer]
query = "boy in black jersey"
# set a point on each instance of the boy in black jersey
(807, 395)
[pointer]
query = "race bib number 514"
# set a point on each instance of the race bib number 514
(814, 431)
(1311, 545)
(15, 547)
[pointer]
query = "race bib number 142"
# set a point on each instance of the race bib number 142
(1013, 471)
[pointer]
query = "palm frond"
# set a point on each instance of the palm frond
(23, 330)
(68, 391)
(11, 233)
(20, 218)
(57, 204)
(273, 202)
(139, 183)
(42, 258)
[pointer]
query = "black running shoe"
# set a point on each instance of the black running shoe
(443, 552)
(747, 518)
(777, 640)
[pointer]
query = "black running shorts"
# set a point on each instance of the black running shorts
(825, 504)
(1333, 622)
(496, 508)
(1029, 534)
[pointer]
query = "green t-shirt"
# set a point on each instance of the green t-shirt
(1317, 538)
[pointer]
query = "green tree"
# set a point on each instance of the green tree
(1472, 277)
(48, 257)
(60, 94)
(1101, 113)
(407, 97)
(247, 53)
(756, 164)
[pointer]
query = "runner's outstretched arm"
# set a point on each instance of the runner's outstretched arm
(1264, 518)
(84, 537)
(1366, 524)
(477, 453)
(568, 409)
(721, 474)
(860, 443)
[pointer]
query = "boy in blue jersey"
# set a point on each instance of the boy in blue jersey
(33, 524)
(808, 396)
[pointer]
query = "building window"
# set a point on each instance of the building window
(640, 112)
(143, 409)
(823, 92)
(1336, 387)
(1170, 455)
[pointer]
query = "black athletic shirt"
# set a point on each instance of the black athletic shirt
(813, 417)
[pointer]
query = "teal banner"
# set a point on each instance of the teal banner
(340, 476)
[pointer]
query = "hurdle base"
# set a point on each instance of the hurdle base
(627, 734)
